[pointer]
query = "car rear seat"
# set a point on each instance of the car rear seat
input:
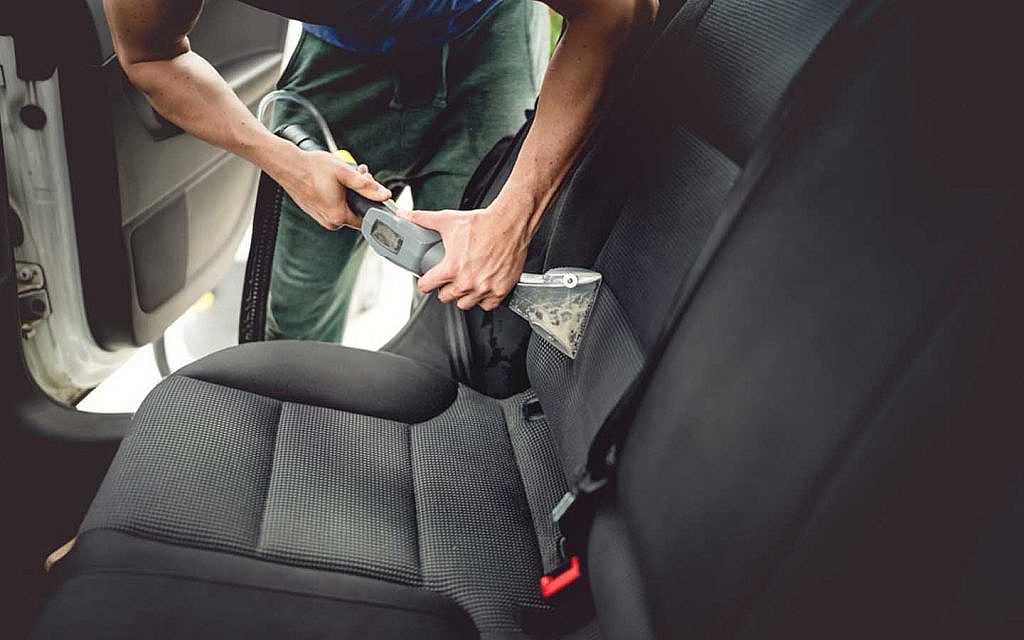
(794, 465)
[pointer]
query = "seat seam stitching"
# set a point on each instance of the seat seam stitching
(303, 404)
(253, 554)
(261, 522)
(415, 504)
(519, 474)
(177, 576)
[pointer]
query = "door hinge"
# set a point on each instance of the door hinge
(33, 301)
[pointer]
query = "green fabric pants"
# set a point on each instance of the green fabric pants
(422, 119)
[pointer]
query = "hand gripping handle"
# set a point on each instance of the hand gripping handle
(404, 243)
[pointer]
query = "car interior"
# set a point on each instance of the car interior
(793, 413)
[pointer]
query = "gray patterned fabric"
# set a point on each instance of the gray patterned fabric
(540, 470)
(732, 72)
(196, 467)
(357, 508)
(678, 199)
(742, 57)
(476, 538)
(578, 394)
(225, 469)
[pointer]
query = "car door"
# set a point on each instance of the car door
(122, 220)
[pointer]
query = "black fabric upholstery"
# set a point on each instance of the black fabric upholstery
(737, 66)
(540, 468)
(477, 543)
(578, 394)
(818, 449)
(226, 469)
(223, 468)
(986, 603)
(685, 161)
(114, 580)
(829, 445)
(366, 382)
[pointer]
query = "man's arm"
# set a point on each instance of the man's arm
(485, 250)
(151, 38)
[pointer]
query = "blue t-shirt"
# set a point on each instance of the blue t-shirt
(403, 25)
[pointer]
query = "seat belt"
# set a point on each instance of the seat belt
(821, 73)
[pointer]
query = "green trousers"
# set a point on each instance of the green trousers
(422, 119)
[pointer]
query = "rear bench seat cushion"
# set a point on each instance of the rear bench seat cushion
(273, 452)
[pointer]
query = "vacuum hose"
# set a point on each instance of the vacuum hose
(252, 321)
(403, 243)
(290, 96)
(300, 137)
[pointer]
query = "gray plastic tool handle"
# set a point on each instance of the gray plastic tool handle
(410, 246)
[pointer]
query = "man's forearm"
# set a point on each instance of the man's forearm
(571, 98)
(486, 249)
(189, 92)
(151, 38)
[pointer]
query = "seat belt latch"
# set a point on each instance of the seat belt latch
(584, 487)
(556, 581)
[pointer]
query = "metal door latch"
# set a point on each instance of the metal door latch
(33, 301)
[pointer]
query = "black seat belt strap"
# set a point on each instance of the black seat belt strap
(819, 76)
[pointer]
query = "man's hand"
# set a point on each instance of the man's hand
(316, 181)
(485, 251)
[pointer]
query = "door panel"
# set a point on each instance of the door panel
(156, 213)
(184, 204)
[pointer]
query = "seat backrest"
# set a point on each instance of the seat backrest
(832, 429)
(641, 205)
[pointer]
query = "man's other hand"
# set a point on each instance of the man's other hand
(485, 251)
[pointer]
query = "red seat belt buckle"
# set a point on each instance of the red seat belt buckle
(567, 574)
